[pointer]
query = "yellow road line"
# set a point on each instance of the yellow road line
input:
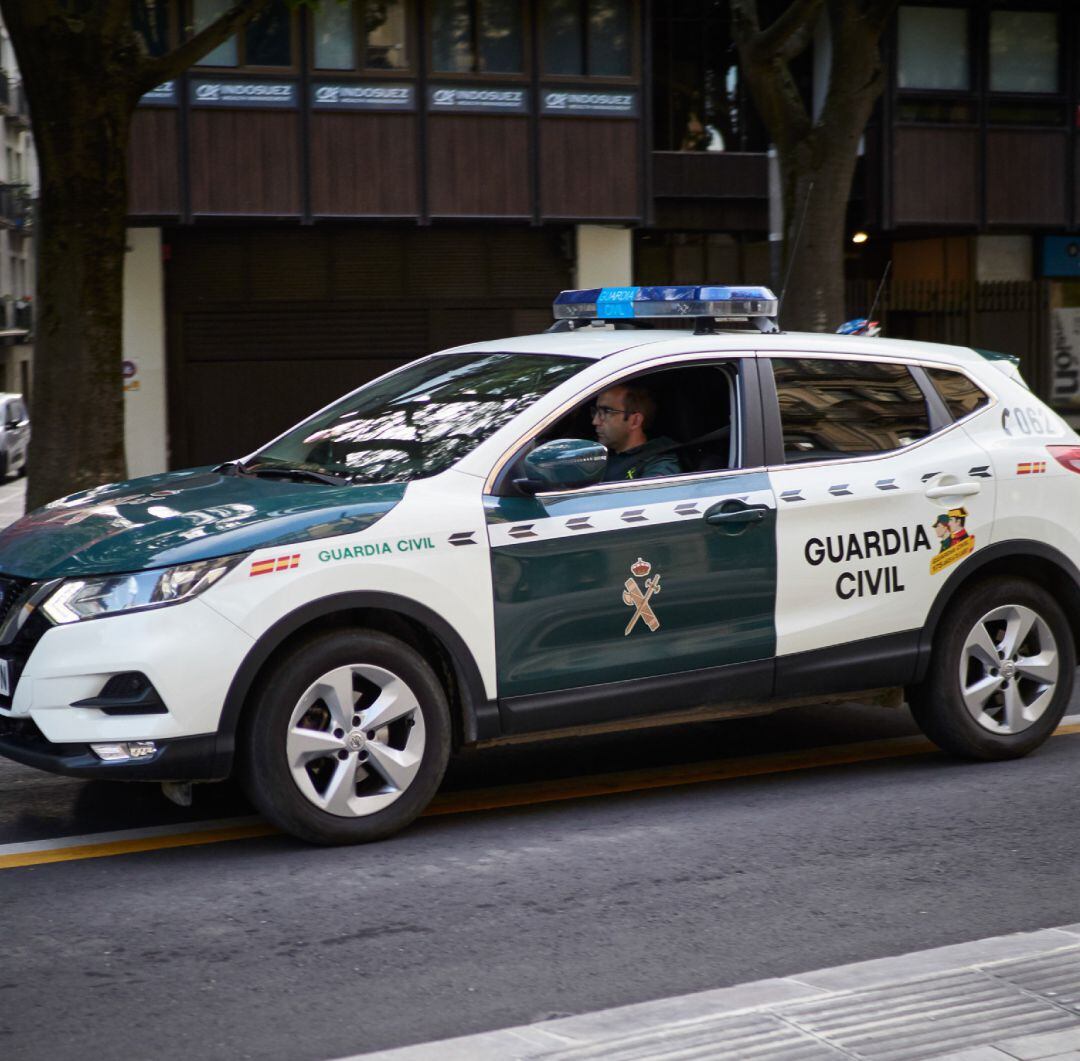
(535, 792)
(134, 845)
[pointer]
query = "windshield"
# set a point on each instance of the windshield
(420, 420)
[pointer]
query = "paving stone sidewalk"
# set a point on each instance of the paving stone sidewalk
(1011, 997)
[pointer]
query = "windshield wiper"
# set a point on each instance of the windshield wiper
(231, 468)
(305, 475)
(300, 475)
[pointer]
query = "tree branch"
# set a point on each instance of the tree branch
(878, 13)
(790, 33)
(154, 71)
(775, 93)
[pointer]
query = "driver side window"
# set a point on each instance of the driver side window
(662, 423)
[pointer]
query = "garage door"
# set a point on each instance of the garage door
(264, 327)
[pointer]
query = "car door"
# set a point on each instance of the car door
(629, 598)
(879, 495)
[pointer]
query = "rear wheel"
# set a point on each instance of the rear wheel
(348, 738)
(1001, 673)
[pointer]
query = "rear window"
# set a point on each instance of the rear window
(831, 409)
(957, 392)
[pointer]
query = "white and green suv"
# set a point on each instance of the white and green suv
(444, 558)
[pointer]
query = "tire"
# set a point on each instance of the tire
(333, 772)
(1001, 672)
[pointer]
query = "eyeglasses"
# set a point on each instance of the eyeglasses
(604, 411)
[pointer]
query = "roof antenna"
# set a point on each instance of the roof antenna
(794, 251)
(880, 288)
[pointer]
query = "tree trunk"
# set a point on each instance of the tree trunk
(77, 407)
(817, 186)
(85, 69)
(817, 155)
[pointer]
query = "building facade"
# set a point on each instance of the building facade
(18, 192)
(333, 192)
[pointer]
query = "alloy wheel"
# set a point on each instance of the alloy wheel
(1009, 669)
(355, 740)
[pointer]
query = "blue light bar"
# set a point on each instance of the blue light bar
(638, 303)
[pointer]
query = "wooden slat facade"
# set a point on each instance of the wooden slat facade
(589, 168)
(710, 175)
(364, 165)
(154, 163)
(245, 163)
(1025, 176)
(478, 166)
(935, 177)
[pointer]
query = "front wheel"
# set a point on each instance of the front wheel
(348, 738)
(1001, 672)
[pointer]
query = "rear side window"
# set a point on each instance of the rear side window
(958, 392)
(831, 409)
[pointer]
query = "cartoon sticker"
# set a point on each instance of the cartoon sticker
(634, 597)
(956, 542)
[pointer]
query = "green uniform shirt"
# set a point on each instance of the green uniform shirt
(644, 462)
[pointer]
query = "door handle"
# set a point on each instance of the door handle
(734, 516)
(953, 490)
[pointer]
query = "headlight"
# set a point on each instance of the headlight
(88, 598)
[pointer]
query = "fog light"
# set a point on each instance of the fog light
(124, 750)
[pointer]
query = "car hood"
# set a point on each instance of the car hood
(180, 517)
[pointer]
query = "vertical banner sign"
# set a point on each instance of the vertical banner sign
(1065, 339)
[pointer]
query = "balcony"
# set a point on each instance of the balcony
(17, 207)
(16, 320)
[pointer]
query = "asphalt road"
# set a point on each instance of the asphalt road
(266, 948)
(564, 903)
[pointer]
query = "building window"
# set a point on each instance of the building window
(477, 37)
(265, 41)
(368, 35)
(700, 102)
(587, 37)
(1023, 51)
(933, 48)
(150, 20)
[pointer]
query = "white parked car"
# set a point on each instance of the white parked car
(14, 435)
(448, 556)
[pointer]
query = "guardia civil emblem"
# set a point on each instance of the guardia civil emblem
(638, 597)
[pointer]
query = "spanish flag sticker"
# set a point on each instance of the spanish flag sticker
(275, 564)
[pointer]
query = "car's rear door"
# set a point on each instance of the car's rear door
(879, 496)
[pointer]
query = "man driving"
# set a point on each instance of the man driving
(622, 418)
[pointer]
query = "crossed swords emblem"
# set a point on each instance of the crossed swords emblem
(639, 601)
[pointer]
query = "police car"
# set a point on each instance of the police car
(442, 558)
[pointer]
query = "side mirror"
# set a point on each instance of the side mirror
(563, 462)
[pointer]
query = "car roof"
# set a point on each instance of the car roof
(596, 343)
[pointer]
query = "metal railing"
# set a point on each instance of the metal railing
(1009, 316)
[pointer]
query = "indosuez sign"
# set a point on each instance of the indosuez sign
(589, 102)
(363, 96)
(214, 92)
(478, 100)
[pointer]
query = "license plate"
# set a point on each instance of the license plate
(5, 680)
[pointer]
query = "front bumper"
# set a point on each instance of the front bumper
(207, 757)
(188, 652)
